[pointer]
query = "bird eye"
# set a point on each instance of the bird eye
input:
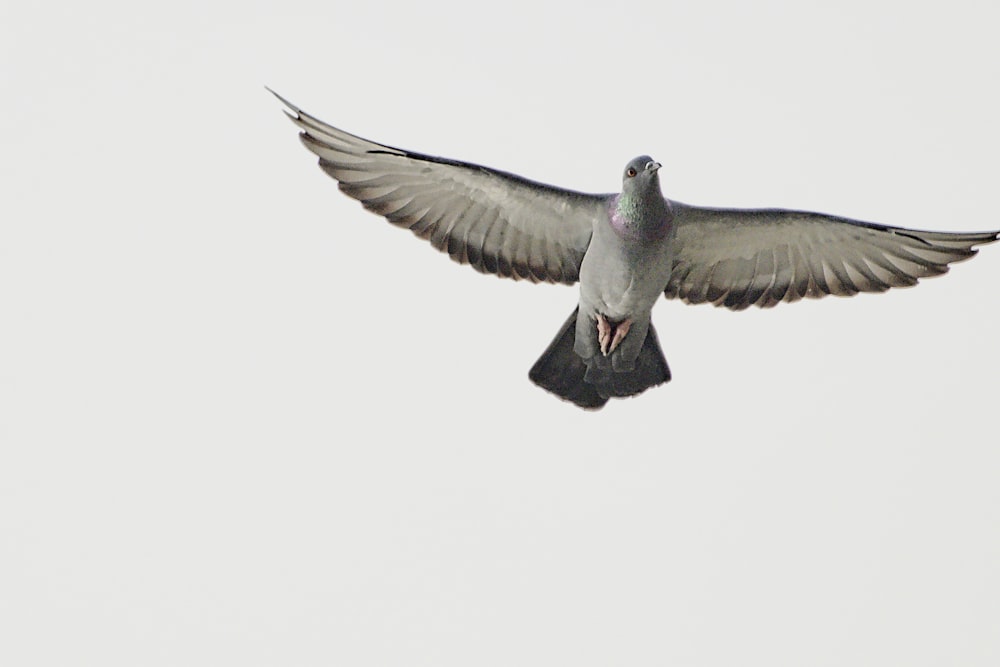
(631, 172)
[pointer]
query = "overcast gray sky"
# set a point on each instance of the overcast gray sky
(245, 422)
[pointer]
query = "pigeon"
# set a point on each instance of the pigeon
(624, 250)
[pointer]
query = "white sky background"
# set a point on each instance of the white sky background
(245, 422)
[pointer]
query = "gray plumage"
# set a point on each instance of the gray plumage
(624, 249)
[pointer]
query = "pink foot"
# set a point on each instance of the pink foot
(610, 335)
(620, 332)
(603, 333)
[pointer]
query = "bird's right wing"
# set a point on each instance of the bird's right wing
(498, 222)
(761, 257)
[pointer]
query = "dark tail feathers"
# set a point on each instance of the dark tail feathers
(567, 375)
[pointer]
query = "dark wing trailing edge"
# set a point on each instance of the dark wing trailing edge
(498, 222)
(740, 258)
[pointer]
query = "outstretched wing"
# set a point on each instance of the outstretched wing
(740, 258)
(498, 222)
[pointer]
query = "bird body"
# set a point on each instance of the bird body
(624, 249)
(624, 271)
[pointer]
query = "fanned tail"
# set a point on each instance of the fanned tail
(590, 383)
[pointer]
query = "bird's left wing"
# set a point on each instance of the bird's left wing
(741, 258)
(498, 222)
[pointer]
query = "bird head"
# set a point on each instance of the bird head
(640, 174)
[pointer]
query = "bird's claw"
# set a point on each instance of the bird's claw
(610, 335)
(603, 333)
(620, 332)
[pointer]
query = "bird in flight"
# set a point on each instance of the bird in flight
(624, 249)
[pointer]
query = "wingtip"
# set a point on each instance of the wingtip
(285, 102)
(988, 237)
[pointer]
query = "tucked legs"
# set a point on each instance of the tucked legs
(610, 335)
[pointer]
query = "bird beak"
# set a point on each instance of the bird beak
(653, 166)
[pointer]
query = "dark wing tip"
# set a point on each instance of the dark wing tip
(294, 109)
